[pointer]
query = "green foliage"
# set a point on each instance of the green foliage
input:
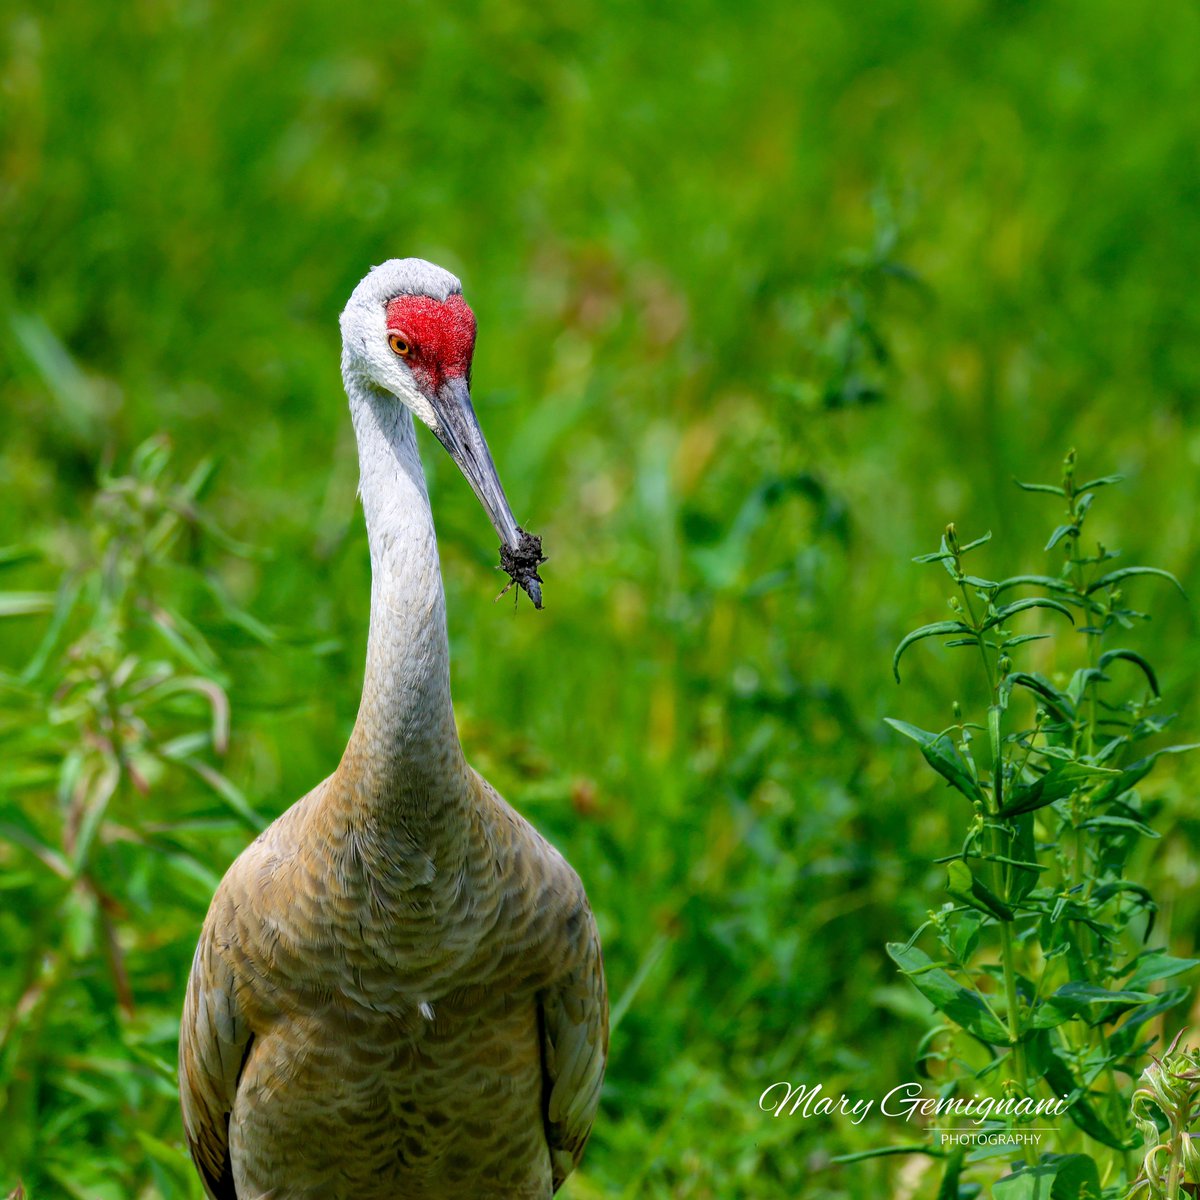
(765, 291)
(106, 731)
(1040, 882)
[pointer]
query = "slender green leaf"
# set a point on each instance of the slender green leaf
(1120, 825)
(46, 855)
(99, 793)
(942, 756)
(1059, 533)
(1153, 965)
(1138, 661)
(232, 795)
(1021, 638)
(1061, 780)
(64, 607)
(185, 639)
(1080, 681)
(888, 1151)
(1126, 572)
(1095, 1003)
(1137, 771)
(1124, 1038)
(1017, 606)
(1058, 702)
(1049, 582)
(955, 1001)
(245, 621)
(962, 884)
(1062, 1081)
(1102, 481)
(937, 629)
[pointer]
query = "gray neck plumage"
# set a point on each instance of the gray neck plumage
(404, 747)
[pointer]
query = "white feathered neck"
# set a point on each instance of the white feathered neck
(404, 739)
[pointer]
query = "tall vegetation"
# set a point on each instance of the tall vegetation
(110, 735)
(1043, 963)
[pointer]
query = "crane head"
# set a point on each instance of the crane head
(408, 332)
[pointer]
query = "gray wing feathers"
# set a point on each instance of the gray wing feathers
(574, 1049)
(214, 1040)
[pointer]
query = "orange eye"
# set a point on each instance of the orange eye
(400, 344)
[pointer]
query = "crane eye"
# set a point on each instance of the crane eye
(400, 344)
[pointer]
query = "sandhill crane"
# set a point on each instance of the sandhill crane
(398, 991)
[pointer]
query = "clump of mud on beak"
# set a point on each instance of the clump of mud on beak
(521, 562)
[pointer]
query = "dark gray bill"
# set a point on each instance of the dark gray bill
(458, 430)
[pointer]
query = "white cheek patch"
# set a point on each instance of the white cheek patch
(404, 387)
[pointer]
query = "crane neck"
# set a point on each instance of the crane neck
(404, 750)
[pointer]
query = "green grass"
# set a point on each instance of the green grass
(767, 294)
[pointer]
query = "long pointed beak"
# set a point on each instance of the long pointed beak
(458, 430)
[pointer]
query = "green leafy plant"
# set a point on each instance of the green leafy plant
(1042, 962)
(109, 737)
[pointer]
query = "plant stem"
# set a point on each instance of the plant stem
(1019, 1067)
(1020, 1071)
(988, 669)
(1176, 1163)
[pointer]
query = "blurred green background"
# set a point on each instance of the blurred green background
(767, 294)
